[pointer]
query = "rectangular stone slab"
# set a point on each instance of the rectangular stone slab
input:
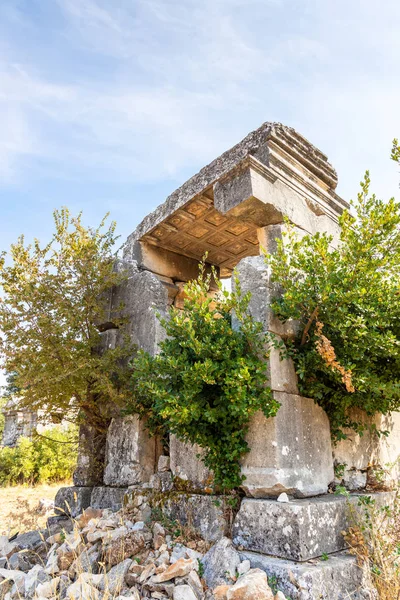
(108, 497)
(208, 515)
(72, 501)
(298, 530)
(337, 578)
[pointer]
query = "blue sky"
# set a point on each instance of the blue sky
(109, 105)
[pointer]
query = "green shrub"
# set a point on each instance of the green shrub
(347, 301)
(208, 378)
(47, 458)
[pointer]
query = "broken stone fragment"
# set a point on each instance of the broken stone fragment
(163, 464)
(184, 592)
(86, 562)
(88, 514)
(133, 594)
(17, 577)
(221, 563)
(115, 578)
(158, 536)
(21, 561)
(251, 586)
(7, 548)
(283, 497)
(180, 568)
(33, 578)
(81, 590)
(221, 591)
(48, 589)
(193, 580)
(124, 547)
(243, 567)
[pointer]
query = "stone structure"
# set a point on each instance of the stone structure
(22, 422)
(231, 209)
(18, 422)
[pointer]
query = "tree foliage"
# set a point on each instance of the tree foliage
(208, 379)
(347, 302)
(52, 302)
(46, 458)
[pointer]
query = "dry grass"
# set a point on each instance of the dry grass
(375, 539)
(19, 507)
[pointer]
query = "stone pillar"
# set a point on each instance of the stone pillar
(291, 452)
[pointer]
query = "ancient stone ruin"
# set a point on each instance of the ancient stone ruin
(18, 422)
(230, 209)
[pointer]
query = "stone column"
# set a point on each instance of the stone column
(291, 452)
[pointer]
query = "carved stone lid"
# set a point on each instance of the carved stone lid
(188, 223)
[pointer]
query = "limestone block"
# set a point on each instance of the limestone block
(72, 501)
(300, 529)
(170, 286)
(163, 262)
(297, 530)
(139, 298)
(107, 497)
(208, 515)
(130, 452)
(163, 464)
(290, 452)
(338, 578)
(91, 452)
(254, 277)
(359, 452)
(257, 195)
(187, 465)
(281, 372)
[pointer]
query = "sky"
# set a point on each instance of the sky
(109, 105)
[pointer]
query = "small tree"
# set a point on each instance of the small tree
(208, 379)
(51, 306)
(347, 301)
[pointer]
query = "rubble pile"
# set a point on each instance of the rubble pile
(102, 555)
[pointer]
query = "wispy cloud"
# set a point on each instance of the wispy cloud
(149, 90)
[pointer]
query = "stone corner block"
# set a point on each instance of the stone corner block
(338, 578)
(72, 501)
(298, 530)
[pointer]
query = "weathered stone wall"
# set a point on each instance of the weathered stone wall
(232, 209)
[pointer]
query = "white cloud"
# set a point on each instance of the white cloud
(169, 85)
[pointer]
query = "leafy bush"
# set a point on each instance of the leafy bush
(53, 306)
(208, 379)
(347, 301)
(43, 459)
